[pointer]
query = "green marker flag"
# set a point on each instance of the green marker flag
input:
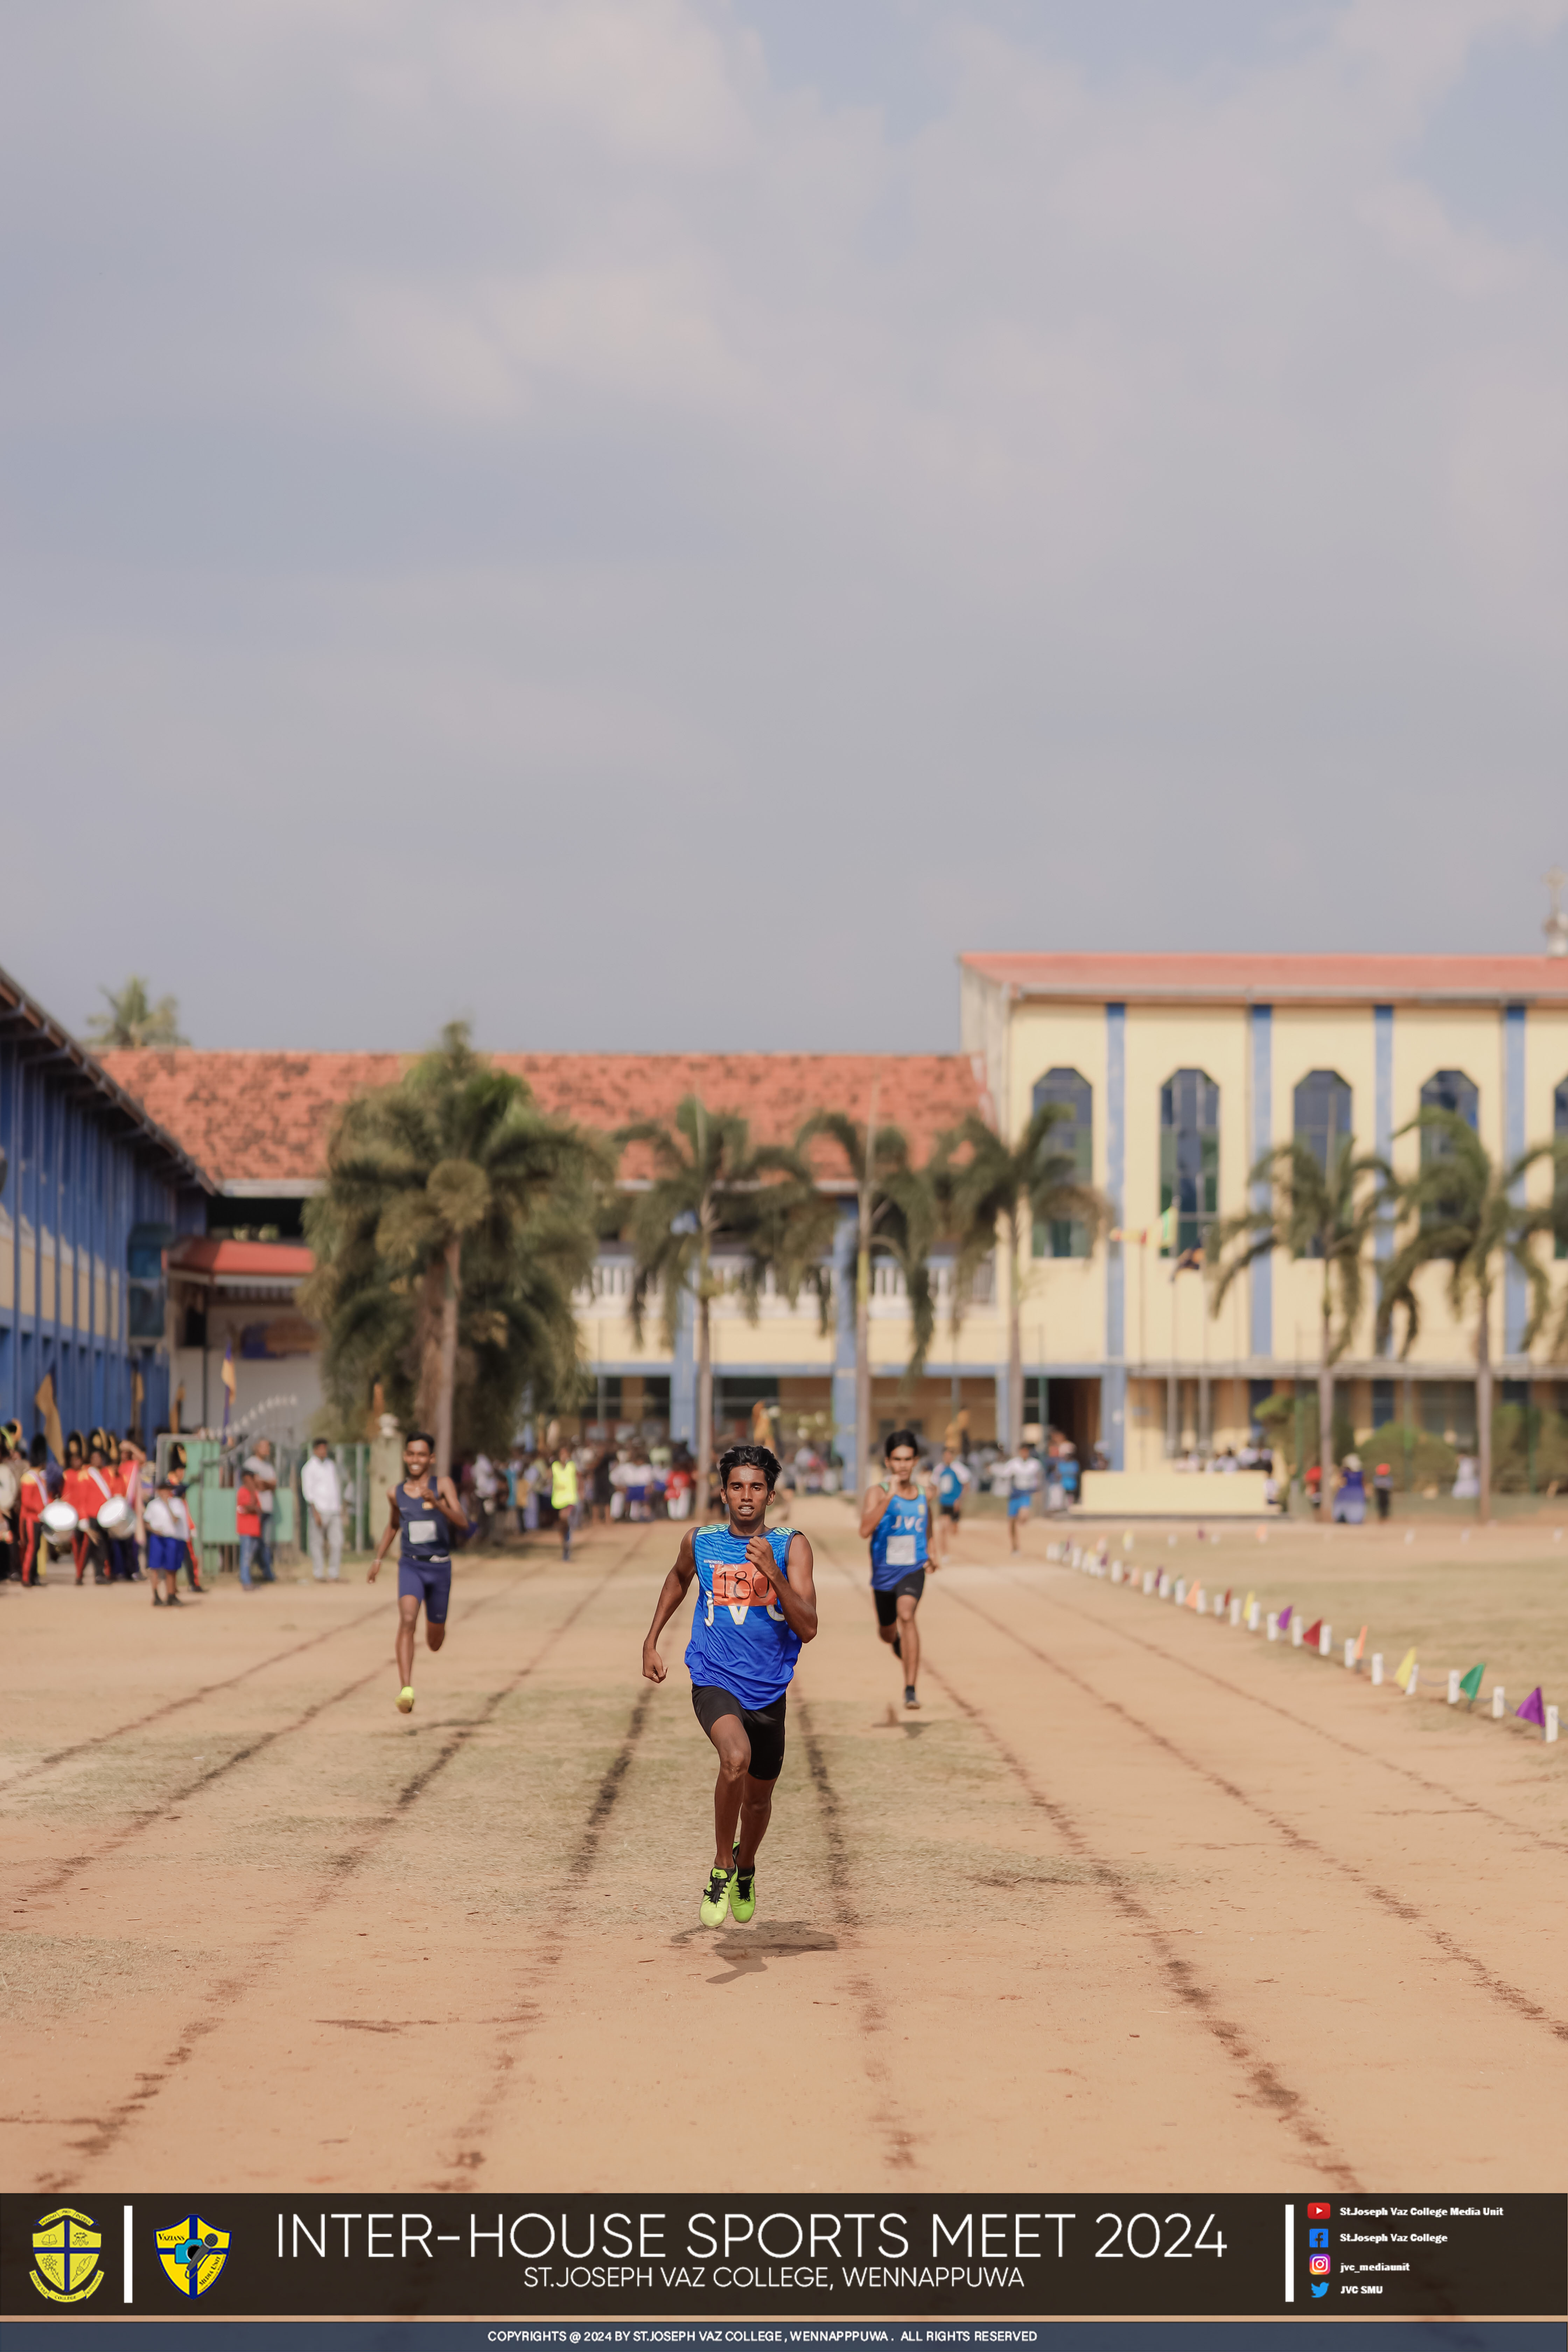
(1471, 1686)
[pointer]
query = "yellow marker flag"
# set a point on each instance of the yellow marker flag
(1246, 1604)
(44, 1400)
(1406, 1663)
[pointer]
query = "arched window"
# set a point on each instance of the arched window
(1189, 1160)
(1322, 1113)
(1074, 1136)
(1445, 1090)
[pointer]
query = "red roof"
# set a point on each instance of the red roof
(259, 1118)
(209, 1254)
(1270, 979)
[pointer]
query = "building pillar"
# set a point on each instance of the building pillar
(844, 1431)
(1383, 1130)
(1262, 1321)
(1515, 1287)
(1113, 1386)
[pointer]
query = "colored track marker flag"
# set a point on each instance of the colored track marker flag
(1405, 1666)
(1534, 1708)
(1195, 1599)
(1285, 1616)
(1314, 1633)
(1361, 1645)
(1471, 1685)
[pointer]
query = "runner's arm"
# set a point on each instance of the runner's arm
(877, 1497)
(795, 1587)
(390, 1529)
(672, 1593)
(451, 1508)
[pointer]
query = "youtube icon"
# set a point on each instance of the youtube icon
(1317, 2213)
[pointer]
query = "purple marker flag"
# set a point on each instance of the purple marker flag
(1285, 1616)
(1533, 1711)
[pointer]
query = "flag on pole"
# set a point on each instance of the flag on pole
(1533, 1710)
(1406, 1666)
(44, 1398)
(1313, 1633)
(1471, 1685)
(227, 1376)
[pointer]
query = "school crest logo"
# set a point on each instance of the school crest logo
(66, 2246)
(193, 2252)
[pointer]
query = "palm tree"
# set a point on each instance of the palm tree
(131, 1021)
(895, 1213)
(712, 1185)
(1320, 1210)
(455, 1220)
(1464, 1214)
(982, 1182)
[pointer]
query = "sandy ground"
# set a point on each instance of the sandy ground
(1135, 1900)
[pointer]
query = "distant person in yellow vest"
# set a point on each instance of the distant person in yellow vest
(563, 1495)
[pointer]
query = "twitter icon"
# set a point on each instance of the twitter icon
(1320, 2288)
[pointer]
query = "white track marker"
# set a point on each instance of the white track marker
(1453, 1687)
(1410, 1686)
(1298, 1631)
(1499, 1702)
(1409, 1534)
(130, 2243)
(1181, 1591)
(1255, 1616)
(1147, 1579)
(1550, 1725)
(1326, 1642)
(1376, 1666)
(1273, 1626)
(1235, 1608)
(1350, 1657)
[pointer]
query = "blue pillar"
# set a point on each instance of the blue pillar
(683, 1373)
(844, 1433)
(1262, 1325)
(1113, 1382)
(1383, 1112)
(1516, 1290)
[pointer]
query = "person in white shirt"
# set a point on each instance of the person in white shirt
(324, 1497)
(1019, 1478)
(171, 1539)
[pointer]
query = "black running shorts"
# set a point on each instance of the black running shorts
(763, 1727)
(914, 1584)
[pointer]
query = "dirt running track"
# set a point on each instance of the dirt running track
(1131, 1903)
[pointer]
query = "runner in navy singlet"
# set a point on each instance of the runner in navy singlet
(756, 1604)
(425, 1510)
(896, 1515)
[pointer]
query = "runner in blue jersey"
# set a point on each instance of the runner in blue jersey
(896, 1515)
(756, 1604)
(425, 1510)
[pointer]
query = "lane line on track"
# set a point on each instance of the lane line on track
(229, 1989)
(1267, 2087)
(1498, 1987)
(145, 1817)
(1452, 1797)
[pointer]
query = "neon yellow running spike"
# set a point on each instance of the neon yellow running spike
(715, 1900)
(406, 1699)
(744, 1895)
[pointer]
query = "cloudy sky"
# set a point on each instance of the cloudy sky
(657, 523)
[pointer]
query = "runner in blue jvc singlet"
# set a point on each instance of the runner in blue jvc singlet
(425, 1510)
(896, 1518)
(755, 1605)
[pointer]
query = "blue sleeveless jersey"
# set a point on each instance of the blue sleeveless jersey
(739, 1638)
(899, 1541)
(426, 1533)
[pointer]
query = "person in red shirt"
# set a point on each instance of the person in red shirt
(132, 1461)
(30, 1505)
(71, 1493)
(94, 1486)
(247, 1524)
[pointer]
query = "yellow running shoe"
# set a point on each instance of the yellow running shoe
(715, 1900)
(406, 1699)
(744, 1894)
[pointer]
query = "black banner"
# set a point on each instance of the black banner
(631, 2262)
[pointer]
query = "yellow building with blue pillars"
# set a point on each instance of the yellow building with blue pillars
(1193, 1067)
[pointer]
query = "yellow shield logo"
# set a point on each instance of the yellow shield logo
(67, 2247)
(193, 2252)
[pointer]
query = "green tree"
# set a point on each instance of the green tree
(982, 1184)
(1312, 1209)
(895, 1213)
(132, 1022)
(714, 1192)
(1468, 1212)
(455, 1221)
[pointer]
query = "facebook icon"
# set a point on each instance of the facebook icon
(1317, 2237)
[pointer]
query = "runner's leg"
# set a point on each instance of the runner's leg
(407, 1620)
(729, 1736)
(757, 1811)
(910, 1639)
